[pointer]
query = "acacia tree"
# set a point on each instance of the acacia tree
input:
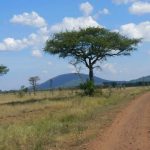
(3, 70)
(90, 45)
(33, 82)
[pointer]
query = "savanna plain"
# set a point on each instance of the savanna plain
(59, 119)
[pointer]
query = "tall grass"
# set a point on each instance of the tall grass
(58, 122)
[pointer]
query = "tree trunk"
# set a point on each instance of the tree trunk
(91, 75)
(34, 89)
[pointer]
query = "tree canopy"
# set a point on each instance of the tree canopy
(90, 45)
(33, 81)
(3, 69)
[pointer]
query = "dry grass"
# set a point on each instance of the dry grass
(62, 120)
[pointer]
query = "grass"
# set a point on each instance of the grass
(63, 120)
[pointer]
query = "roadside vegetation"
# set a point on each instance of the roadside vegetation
(59, 119)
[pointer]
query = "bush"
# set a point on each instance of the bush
(23, 90)
(88, 87)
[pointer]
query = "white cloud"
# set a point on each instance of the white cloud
(141, 30)
(37, 53)
(104, 11)
(109, 67)
(123, 1)
(33, 40)
(36, 41)
(31, 19)
(13, 44)
(140, 8)
(70, 23)
(86, 8)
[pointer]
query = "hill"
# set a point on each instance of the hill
(73, 80)
(142, 79)
(68, 80)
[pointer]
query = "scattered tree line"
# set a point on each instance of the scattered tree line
(126, 84)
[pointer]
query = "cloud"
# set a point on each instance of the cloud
(69, 23)
(13, 44)
(86, 8)
(109, 67)
(123, 1)
(30, 19)
(36, 40)
(104, 11)
(33, 40)
(37, 53)
(141, 30)
(140, 8)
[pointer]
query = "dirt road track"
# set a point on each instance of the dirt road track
(130, 130)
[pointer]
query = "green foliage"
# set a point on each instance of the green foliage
(3, 69)
(33, 81)
(23, 90)
(88, 87)
(89, 42)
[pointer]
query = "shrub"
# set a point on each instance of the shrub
(88, 87)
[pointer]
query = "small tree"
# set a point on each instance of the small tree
(33, 81)
(3, 70)
(89, 46)
(88, 87)
(23, 90)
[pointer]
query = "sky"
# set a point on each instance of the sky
(25, 26)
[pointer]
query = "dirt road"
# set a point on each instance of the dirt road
(130, 130)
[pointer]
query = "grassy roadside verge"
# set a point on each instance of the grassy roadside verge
(63, 124)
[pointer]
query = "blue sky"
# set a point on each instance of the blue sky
(26, 25)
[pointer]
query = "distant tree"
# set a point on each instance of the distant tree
(33, 81)
(23, 90)
(3, 70)
(90, 45)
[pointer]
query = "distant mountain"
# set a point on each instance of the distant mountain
(73, 80)
(142, 79)
(68, 80)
